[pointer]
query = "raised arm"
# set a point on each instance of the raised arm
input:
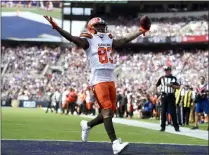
(119, 42)
(145, 24)
(80, 42)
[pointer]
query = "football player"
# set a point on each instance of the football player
(71, 101)
(98, 45)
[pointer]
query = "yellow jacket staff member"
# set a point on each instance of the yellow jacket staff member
(187, 101)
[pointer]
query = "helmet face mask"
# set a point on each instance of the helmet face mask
(102, 28)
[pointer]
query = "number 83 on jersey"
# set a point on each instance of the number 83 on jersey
(105, 55)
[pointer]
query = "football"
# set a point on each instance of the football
(145, 22)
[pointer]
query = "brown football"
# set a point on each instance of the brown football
(145, 22)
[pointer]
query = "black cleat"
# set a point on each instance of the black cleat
(162, 129)
(195, 127)
(177, 130)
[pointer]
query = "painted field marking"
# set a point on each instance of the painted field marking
(51, 140)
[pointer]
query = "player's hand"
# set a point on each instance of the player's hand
(143, 30)
(52, 22)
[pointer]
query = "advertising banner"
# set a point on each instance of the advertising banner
(32, 104)
(173, 39)
(190, 39)
(6, 103)
(28, 104)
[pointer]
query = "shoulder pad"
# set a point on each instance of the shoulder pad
(87, 35)
(110, 36)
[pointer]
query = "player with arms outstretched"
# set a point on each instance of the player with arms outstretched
(98, 45)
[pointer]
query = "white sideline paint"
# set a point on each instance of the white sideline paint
(51, 140)
(31, 16)
(154, 126)
(37, 18)
(77, 26)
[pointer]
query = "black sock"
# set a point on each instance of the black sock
(96, 121)
(110, 128)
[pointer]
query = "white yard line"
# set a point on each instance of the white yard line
(184, 131)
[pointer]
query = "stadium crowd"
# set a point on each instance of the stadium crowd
(48, 5)
(136, 74)
(161, 27)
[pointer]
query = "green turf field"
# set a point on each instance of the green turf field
(56, 13)
(201, 126)
(23, 123)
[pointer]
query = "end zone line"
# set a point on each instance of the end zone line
(51, 140)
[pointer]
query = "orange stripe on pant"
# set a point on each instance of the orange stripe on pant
(105, 93)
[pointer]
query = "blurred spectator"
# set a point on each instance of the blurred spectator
(136, 73)
(49, 6)
(57, 98)
(22, 96)
(9, 4)
(46, 5)
(28, 4)
(147, 109)
(161, 27)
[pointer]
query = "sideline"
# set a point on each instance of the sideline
(153, 126)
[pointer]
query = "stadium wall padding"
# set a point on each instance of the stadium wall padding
(32, 104)
(24, 103)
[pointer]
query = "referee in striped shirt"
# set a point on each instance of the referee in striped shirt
(168, 84)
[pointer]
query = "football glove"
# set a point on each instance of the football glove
(143, 30)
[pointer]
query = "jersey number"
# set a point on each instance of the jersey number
(103, 56)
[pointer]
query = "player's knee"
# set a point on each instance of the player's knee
(107, 113)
